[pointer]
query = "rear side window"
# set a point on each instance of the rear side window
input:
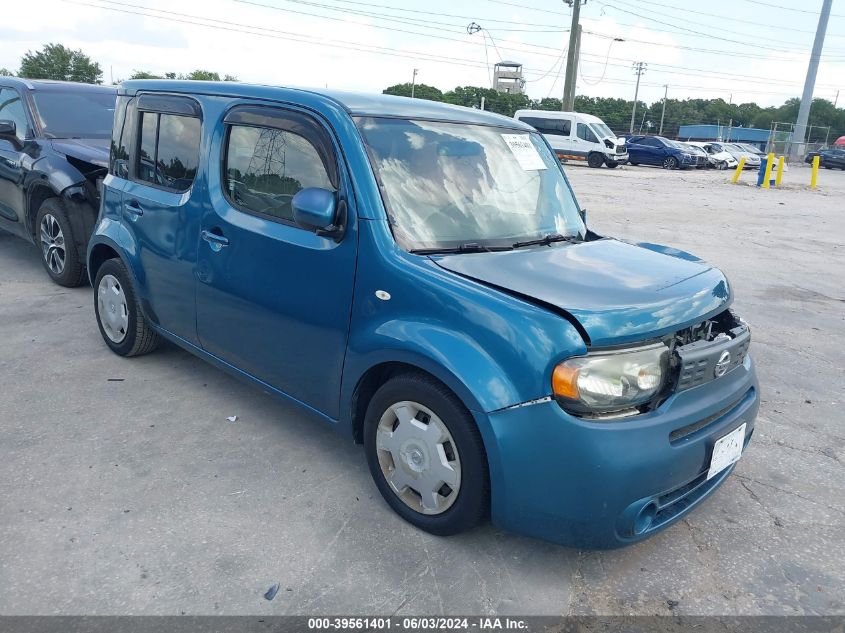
(558, 127)
(168, 150)
(265, 167)
(586, 134)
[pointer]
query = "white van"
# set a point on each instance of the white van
(576, 136)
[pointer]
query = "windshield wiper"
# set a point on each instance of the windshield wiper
(546, 240)
(467, 247)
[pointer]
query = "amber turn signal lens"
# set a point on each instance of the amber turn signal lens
(565, 382)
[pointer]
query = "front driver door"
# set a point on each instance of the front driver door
(273, 299)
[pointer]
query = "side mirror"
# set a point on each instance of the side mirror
(315, 209)
(9, 132)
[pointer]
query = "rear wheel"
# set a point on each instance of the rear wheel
(595, 160)
(122, 324)
(426, 456)
(670, 162)
(59, 254)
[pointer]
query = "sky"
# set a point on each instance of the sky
(739, 50)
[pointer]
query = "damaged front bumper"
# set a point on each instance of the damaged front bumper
(605, 484)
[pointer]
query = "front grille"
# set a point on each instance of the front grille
(698, 359)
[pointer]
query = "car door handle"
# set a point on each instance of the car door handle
(215, 240)
(133, 208)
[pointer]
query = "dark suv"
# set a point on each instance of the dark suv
(54, 147)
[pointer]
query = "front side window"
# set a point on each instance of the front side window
(265, 167)
(168, 150)
(450, 184)
(74, 113)
(11, 109)
(586, 134)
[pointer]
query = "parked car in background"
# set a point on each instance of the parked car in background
(698, 151)
(54, 147)
(421, 277)
(828, 158)
(576, 136)
(752, 159)
(657, 150)
(748, 147)
(717, 157)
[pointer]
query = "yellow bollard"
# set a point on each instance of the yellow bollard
(815, 175)
(738, 171)
(770, 162)
(779, 176)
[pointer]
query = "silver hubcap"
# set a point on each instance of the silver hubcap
(53, 244)
(111, 308)
(418, 457)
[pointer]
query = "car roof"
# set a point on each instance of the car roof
(555, 114)
(45, 85)
(355, 103)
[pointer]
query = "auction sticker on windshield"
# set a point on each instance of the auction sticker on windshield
(727, 450)
(524, 151)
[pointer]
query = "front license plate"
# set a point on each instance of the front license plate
(727, 450)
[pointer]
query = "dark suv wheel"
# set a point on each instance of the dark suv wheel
(426, 455)
(122, 324)
(59, 254)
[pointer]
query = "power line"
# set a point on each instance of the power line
(769, 5)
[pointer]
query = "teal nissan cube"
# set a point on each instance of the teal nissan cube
(421, 277)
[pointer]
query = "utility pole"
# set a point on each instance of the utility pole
(414, 81)
(568, 102)
(835, 101)
(663, 114)
(800, 132)
(639, 69)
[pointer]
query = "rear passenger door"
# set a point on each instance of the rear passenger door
(652, 151)
(273, 299)
(161, 207)
(11, 157)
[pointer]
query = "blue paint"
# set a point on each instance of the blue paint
(296, 313)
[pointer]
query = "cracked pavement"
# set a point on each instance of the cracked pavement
(125, 490)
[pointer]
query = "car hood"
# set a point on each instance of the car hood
(91, 150)
(616, 292)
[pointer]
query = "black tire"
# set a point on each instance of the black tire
(670, 162)
(59, 253)
(630, 162)
(595, 160)
(612, 165)
(139, 337)
(472, 503)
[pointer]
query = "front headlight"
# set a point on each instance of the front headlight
(610, 381)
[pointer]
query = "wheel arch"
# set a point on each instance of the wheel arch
(377, 374)
(37, 194)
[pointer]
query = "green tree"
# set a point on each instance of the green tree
(4, 72)
(498, 102)
(201, 75)
(55, 61)
(421, 91)
(143, 74)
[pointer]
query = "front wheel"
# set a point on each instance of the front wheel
(670, 162)
(122, 324)
(595, 160)
(612, 165)
(59, 254)
(426, 456)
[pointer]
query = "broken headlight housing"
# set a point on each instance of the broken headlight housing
(608, 382)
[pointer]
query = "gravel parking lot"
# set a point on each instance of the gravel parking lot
(125, 490)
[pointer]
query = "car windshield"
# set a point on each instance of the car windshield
(448, 185)
(75, 113)
(677, 145)
(748, 148)
(602, 131)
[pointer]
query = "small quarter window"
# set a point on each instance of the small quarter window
(265, 167)
(168, 154)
